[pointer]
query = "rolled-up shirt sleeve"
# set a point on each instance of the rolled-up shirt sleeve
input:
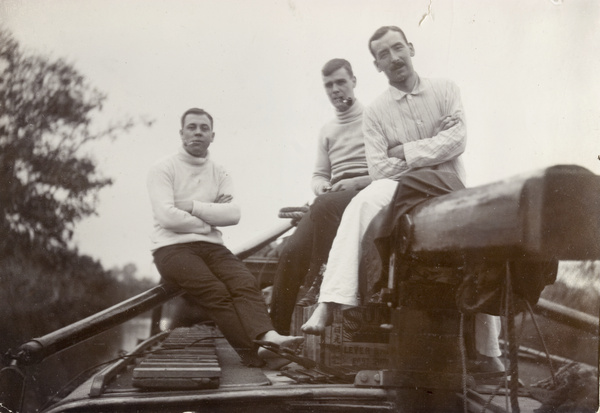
(162, 199)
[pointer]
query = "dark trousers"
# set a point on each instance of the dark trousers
(219, 283)
(304, 252)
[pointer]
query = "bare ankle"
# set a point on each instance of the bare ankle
(321, 318)
(268, 335)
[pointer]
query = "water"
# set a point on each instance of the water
(57, 372)
(133, 332)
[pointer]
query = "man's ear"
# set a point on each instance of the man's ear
(376, 65)
(412, 49)
(212, 139)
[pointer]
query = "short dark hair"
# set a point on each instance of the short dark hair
(336, 64)
(196, 111)
(379, 33)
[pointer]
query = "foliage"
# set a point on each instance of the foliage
(38, 298)
(577, 286)
(129, 282)
(46, 112)
(47, 185)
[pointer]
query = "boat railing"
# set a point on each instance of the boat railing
(568, 316)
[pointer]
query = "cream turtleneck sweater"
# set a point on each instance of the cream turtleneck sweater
(183, 178)
(341, 148)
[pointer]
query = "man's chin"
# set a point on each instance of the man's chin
(395, 77)
(196, 151)
(340, 105)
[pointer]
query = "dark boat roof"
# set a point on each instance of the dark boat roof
(118, 386)
(176, 371)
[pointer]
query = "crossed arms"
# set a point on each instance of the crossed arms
(424, 131)
(190, 215)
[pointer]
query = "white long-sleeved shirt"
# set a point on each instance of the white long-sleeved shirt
(182, 177)
(340, 148)
(410, 119)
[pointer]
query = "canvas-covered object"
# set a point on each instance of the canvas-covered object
(481, 285)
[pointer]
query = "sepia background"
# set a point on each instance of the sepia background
(527, 72)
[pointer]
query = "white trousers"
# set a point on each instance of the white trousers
(487, 331)
(340, 280)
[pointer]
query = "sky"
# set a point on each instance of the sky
(527, 71)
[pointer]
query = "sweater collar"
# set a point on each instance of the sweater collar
(192, 160)
(353, 113)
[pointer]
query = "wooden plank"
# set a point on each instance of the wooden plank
(178, 372)
(551, 214)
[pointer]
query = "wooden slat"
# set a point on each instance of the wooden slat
(175, 372)
(186, 359)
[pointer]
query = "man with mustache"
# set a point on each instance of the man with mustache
(191, 196)
(416, 126)
(340, 173)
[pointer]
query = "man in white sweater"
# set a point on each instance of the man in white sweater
(340, 173)
(191, 196)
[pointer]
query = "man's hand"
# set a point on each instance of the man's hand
(358, 182)
(324, 188)
(397, 152)
(446, 123)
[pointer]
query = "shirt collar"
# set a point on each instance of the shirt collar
(397, 94)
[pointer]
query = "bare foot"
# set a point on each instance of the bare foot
(321, 318)
(289, 342)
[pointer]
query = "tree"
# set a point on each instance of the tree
(130, 283)
(48, 184)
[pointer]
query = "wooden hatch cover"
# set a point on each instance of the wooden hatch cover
(186, 359)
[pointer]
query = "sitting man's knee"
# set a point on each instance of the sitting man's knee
(245, 282)
(210, 294)
(320, 205)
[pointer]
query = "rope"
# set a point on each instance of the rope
(463, 360)
(505, 346)
(512, 345)
(293, 213)
(546, 352)
(489, 400)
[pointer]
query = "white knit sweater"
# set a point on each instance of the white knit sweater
(182, 177)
